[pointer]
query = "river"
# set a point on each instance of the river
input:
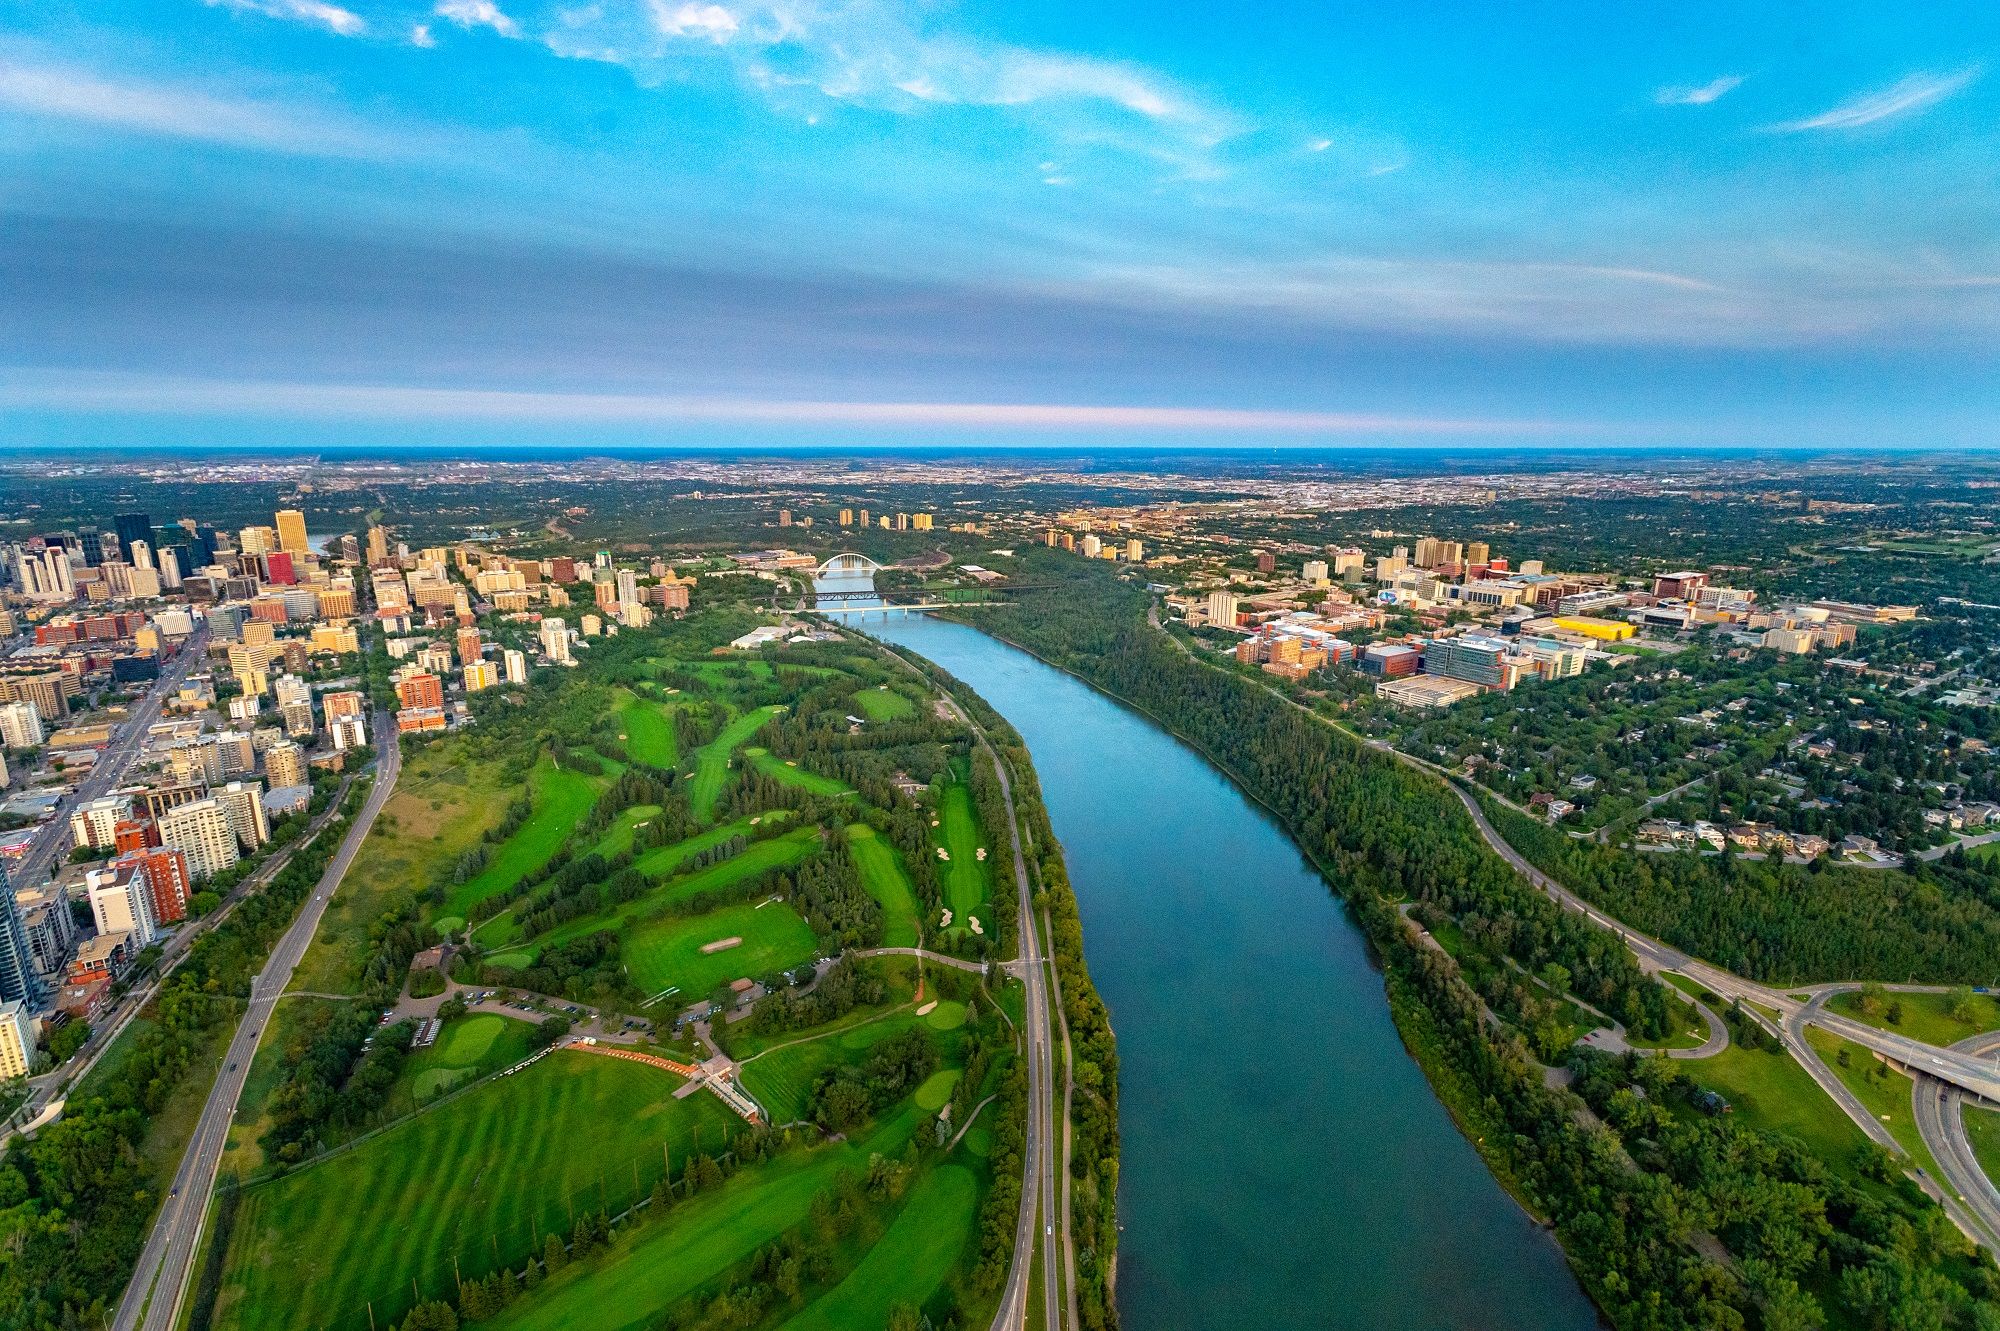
(1284, 1162)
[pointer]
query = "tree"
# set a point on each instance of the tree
(432, 1316)
(554, 1256)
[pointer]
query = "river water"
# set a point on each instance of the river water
(1284, 1162)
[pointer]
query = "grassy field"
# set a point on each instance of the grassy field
(968, 883)
(1926, 1017)
(771, 765)
(883, 704)
(882, 873)
(782, 1077)
(1884, 1092)
(711, 760)
(653, 1267)
(759, 857)
(469, 1048)
(1772, 1092)
(490, 1171)
(241, 1154)
(668, 953)
(441, 808)
(561, 797)
(911, 1261)
(649, 733)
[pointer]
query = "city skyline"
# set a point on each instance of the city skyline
(468, 223)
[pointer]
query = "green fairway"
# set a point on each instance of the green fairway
(661, 860)
(771, 765)
(561, 797)
(1926, 1017)
(911, 1261)
(492, 1171)
(759, 857)
(968, 883)
(711, 760)
(883, 704)
(469, 1048)
(649, 733)
(617, 838)
(882, 874)
(652, 1267)
(668, 953)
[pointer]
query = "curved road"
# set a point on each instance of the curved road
(152, 1301)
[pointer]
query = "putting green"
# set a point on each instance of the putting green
(946, 1016)
(937, 1089)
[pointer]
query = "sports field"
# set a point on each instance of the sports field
(668, 953)
(883, 704)
(882, 874)
(654, 1266)
(560, 798)
(967, 882)
(649, 733)
(771, 765)
(711, 760)
(909, 1263)
(492, 1171)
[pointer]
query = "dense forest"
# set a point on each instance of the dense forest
(1712, 1226)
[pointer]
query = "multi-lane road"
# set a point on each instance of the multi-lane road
(152, 1301)
(114, 760)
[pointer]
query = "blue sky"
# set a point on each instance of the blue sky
(715, 221)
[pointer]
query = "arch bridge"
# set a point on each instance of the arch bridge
(848, 562)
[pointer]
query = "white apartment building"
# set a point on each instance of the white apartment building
(201, 831)
(21, 726)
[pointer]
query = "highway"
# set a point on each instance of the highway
(152, 1301)
(1940, 1112)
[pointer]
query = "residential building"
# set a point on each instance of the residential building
(201, 831)
(555, 641)
(96, 824)
(516, 665)
(285, 765)
(17, 1040)
(121, 904)
(1222, 606)
(482, 675)
(421, 689)
(346, 719)
(243, 804)
(21, 725)
(18, 978)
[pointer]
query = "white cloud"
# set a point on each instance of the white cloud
(693, 20)
(62, 93)
(331, 17)
(115, 392)
(1701, 95)
(1916, 93)
(420, 35)
(471, 14)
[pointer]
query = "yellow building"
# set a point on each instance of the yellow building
(1603, 630)
(292, 532)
